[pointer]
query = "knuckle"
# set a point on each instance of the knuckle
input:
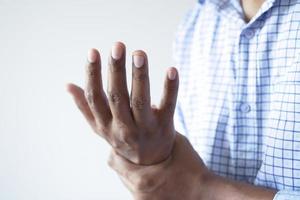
(140, 76)
(92, 71)
(114, 97)
(138, 103)
(92, 96)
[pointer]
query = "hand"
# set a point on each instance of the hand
(138, 132)
(181, 176)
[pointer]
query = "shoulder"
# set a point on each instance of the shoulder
(289, 10)
(186, 28)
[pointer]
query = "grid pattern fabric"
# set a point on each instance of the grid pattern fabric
(239, 96)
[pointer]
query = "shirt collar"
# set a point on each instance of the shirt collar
(221, 4)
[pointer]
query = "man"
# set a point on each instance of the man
(238, 105)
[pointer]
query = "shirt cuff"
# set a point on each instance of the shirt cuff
(287, 195)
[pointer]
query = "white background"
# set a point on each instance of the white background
(47, 150)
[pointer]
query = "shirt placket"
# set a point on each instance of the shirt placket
(246, 128)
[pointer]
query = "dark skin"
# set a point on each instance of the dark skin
(140, 133)
(152, 159)
(250, 8)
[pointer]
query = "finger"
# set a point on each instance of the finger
(117, 85)
(140, 89)
(168, 102)
(94, 91)
(79, 98)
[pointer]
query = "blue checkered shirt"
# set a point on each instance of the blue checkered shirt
(239, 98)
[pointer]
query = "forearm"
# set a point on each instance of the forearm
(215, 187)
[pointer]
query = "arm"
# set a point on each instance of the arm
(222, 188)
(182, 176)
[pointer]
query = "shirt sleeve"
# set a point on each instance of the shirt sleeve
(287, 195)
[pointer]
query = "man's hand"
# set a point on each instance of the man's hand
(181, 176)
(137, 131)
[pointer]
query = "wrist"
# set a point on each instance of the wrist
(196, 176)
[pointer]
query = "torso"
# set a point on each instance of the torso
(240, 92)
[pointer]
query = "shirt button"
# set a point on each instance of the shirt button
(245, 108)
(249, 34)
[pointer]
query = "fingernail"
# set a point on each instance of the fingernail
(172, 74)
(138, 60)
(92, 56)
(117, 51)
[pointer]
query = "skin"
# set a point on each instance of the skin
(250, 8)
(140, 133)
(152, 159)
(182, 176)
